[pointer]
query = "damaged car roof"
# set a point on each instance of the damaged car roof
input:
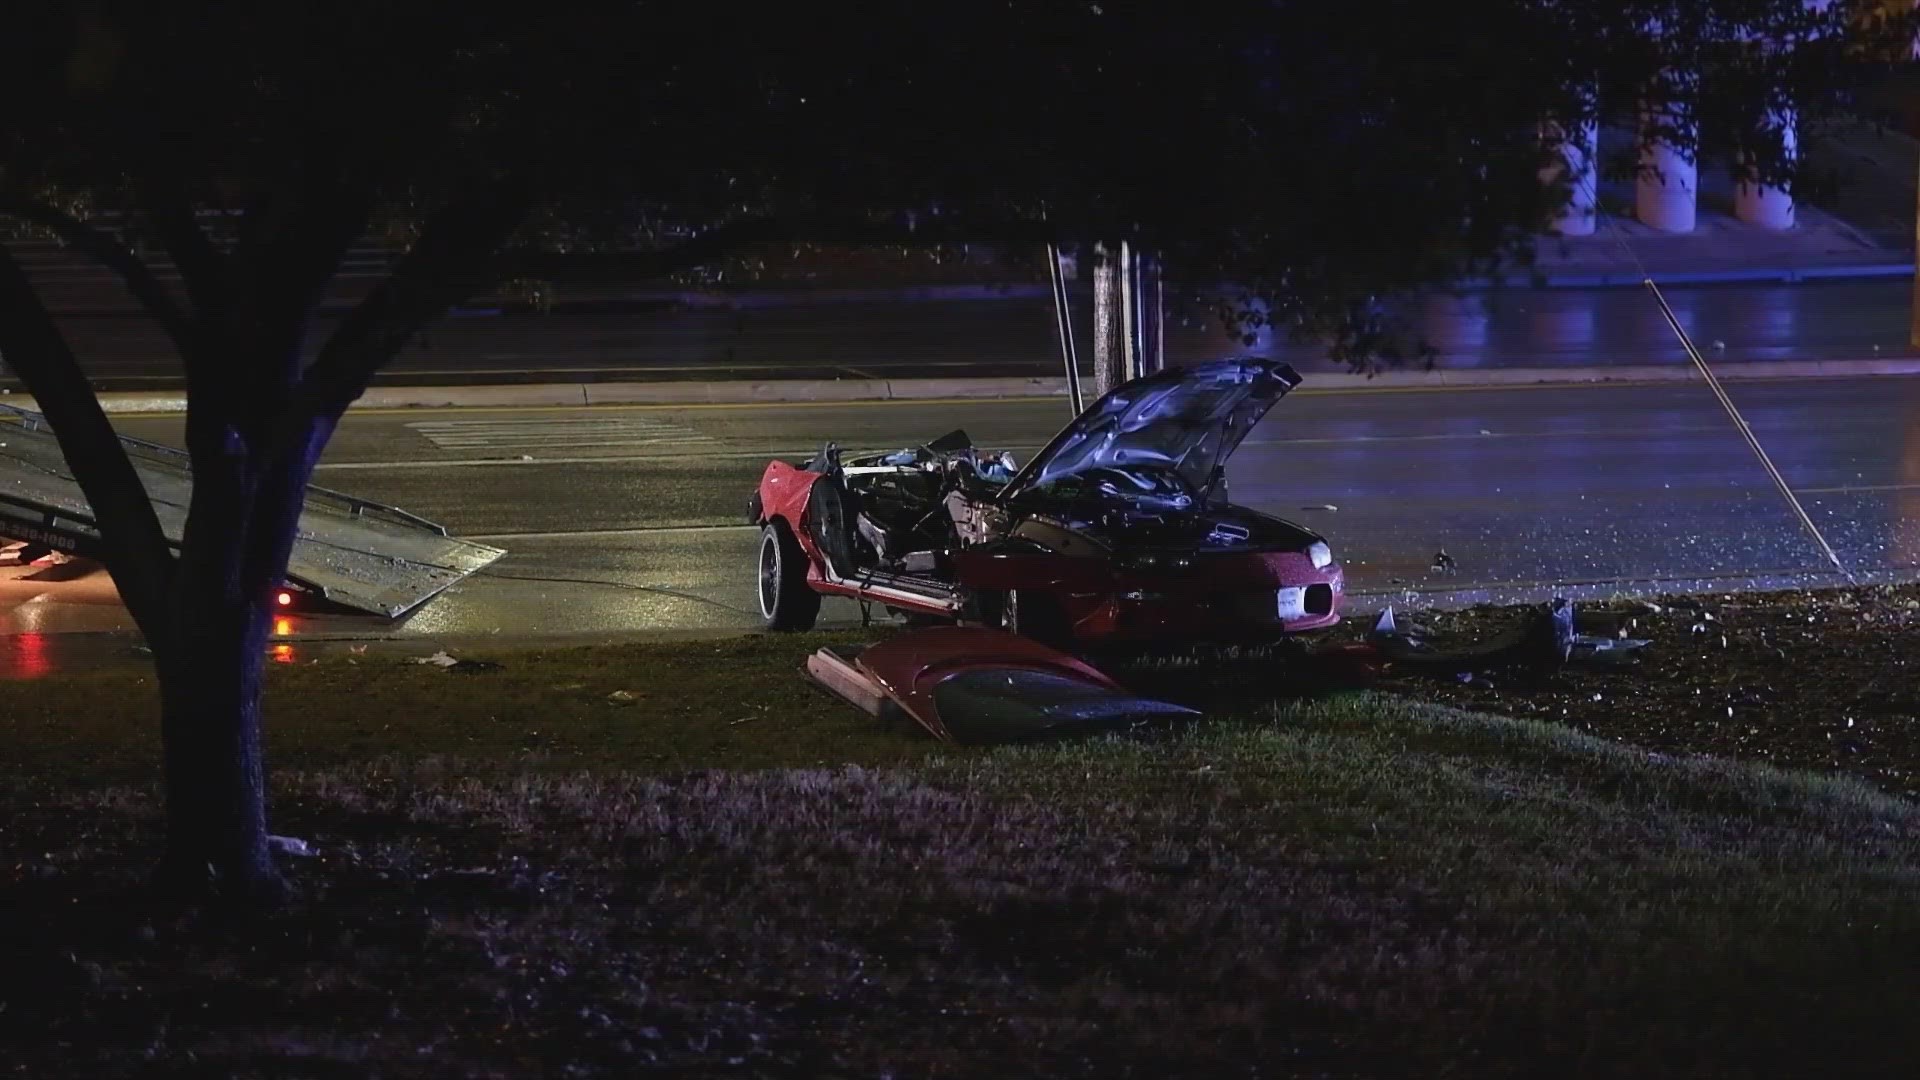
(1184, 420)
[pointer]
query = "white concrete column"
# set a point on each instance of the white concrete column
(1766, 205)
(1573, 146)
(1666, 196)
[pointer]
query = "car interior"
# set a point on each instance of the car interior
(897, 514)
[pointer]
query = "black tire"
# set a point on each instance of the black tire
(786, 601)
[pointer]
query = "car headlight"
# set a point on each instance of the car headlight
(1321, 554)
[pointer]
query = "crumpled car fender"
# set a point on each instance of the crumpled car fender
(975, 687)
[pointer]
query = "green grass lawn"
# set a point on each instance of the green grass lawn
(738, 874)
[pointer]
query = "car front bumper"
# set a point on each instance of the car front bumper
(1211, 616)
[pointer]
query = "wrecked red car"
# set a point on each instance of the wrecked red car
(1118, 531)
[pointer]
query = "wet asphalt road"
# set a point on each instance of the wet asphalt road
(1528, 489)
(613, 340)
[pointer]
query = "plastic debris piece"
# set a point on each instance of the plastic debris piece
(291, 846)
(439, 659)
(623, 697)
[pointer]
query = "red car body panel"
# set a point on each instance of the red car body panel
(909, 667)
(785, 492)
(911, 670)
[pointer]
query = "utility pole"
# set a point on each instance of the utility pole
(1109, 355)
(1129, 313)
(1128, 338)
(1913, 130)
(1149, 314)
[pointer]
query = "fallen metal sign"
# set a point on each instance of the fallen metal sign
(350, 552)
(975, 686)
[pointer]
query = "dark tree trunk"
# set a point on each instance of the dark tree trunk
(240, 529)
(210, 667)
(257, 422)
(210, 680)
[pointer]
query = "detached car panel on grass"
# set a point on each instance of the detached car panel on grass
(1118, 531)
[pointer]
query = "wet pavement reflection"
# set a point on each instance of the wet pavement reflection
(1528, 490)
(1841, 319)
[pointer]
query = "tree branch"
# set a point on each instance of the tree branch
(279, 274)
(186, 242)
(138, 558)
(310, 245)
(457, 256)
(110, 253)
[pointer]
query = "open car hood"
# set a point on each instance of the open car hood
(1183, 420)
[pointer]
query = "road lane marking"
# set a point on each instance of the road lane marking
(1053, 399)
(556, 433)
(1023, 448)
(607, 459)
(602, 534)
(710, 369)
(1853, 489)
(1060, 398)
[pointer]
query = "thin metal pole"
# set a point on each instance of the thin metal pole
(1141, 326)
(1064, 322)
(1159, 315)
(1753, 441)
(1129, 317)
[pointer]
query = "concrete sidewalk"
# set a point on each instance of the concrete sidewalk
(1720, 250)
(579, 395)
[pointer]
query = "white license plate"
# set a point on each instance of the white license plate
(1290, 603)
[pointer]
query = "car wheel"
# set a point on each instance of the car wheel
(786, 601)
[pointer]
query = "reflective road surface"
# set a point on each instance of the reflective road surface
(1016, 336)
(633, 516)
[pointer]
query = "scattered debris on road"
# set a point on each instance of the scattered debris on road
(446, 661)
(1538, 646)
(292, 847)
(1811, 679)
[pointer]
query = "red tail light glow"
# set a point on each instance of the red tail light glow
(284, 599)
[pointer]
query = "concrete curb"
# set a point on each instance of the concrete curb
(779, 391)
(1623, 278)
